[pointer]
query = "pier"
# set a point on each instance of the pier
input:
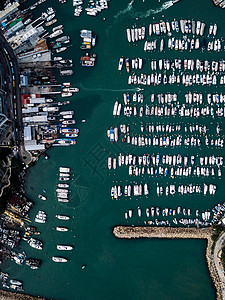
(135, 232)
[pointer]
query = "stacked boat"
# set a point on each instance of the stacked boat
(88, 39)
(95, 7)
(135, 34)
(61, 190)
(41, 217)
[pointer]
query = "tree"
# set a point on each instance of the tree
(2, 4)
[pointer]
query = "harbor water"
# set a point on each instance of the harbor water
(117, 269)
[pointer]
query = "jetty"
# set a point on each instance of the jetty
(135, 232)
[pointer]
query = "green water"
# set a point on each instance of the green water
(116, 269)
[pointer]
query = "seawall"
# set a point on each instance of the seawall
(129, 232)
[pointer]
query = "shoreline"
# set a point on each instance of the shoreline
(7, 295)
(129, 232)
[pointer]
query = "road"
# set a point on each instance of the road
(15, 96)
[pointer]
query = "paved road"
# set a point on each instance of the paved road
(218, 246)
(14, 72)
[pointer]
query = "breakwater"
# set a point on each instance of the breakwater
(130, 232)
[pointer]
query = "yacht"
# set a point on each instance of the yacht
(120, 64)
(42, 197)
(64, 247)
(59, 259)
(62, 217)
(63, 185)
(63, 229)
(34, 243)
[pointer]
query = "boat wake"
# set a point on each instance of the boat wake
(145, 14)
(149, 12)
(126, 10)
(111, 90)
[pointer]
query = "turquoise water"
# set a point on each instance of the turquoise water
(116, 269)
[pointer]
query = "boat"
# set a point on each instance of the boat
(63, 229)
(64, 247)
(49, 18)
(71, 90)
(64, 178)
(34, 243)
(64, 169)
(66, 94)
(16, 287)
(57, 28)
(61, 49)
(42, 197)
(93, 41)
(120, 64)
(128, 35)
(56, 33)
(62, 217)
(68, 122)
(51, 22)
(127, 65)
(66, 73)
(33, 263)
(16, 282)
(62, 39)
(88, 60)
(59, 259)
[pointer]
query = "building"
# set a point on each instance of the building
(9, 9)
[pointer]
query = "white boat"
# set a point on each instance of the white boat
(128, 35)
(56, 33)
(66, 94)
(59, 259)
(34, 243)
(71, 90)
(63, 229)
(61, 49)
(64, 169)
(62, 217)
(63, 185)
(42, 197)
(120, 64)
(16, 282)
(64, 247)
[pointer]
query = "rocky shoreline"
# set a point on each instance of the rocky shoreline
(4, 295)
(129, 232)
